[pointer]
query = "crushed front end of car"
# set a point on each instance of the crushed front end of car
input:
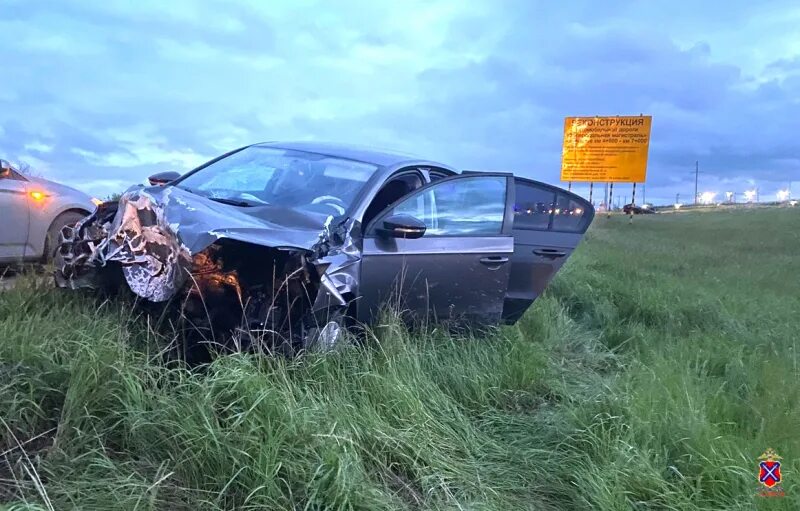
(273, 280)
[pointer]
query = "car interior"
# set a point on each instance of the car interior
(397, 188)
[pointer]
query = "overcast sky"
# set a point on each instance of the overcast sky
(99, 94)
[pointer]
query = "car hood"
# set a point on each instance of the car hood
(198, 221)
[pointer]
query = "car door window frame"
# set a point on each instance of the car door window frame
(506, 227)
(437, 173)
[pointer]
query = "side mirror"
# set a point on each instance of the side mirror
(5, 172)
(162, 178)
(402, 226)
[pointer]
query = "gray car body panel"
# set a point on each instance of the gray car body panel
(25, 222)
(442, 276)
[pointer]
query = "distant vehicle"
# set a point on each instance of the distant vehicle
(644, 209)
(32, 213)
(294, 240)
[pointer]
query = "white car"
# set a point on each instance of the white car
(32, 213)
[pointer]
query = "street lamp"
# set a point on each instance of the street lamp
(707, 197)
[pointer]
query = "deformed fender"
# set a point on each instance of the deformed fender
(339, 280)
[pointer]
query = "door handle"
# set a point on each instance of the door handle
(549, 252)
(494, 260)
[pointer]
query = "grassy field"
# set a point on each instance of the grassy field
(656, 369)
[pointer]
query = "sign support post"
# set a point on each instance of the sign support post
(610, 198)
(591, 187)
(633, 204)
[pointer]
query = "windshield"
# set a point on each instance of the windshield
(257, 176)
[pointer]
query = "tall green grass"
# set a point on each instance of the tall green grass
(658, 366)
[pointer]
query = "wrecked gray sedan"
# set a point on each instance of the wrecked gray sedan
(294, 241)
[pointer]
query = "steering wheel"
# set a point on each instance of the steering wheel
(329, 200)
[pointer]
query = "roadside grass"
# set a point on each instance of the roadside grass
(659, 365)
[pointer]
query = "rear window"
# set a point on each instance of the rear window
(569, 215)
(532, 206)
(540, 207)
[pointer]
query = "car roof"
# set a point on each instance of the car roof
(381, 157)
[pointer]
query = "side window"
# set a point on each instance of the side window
(569, 215)
(540, 207)
(533, 206)
(473, 206)
(16, 175)
(9, 172)
(418, 206)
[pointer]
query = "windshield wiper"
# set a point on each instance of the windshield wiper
(232, 202)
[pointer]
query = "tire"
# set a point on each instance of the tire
(61, 221)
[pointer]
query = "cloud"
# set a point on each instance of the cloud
(108, 93)
(38, 147)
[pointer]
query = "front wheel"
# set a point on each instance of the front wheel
(51, 243)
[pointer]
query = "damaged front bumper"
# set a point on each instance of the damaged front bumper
(132, 233)
(229, 272)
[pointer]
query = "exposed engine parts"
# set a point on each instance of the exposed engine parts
(263, 292)
(255, 291)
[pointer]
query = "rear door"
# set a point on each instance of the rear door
(459, 269)
(548, 224)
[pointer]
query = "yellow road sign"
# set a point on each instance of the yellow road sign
(605, 149)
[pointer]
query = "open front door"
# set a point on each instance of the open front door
(548, 224)
(459, 268)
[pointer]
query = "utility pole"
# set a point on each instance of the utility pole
(696, 173)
